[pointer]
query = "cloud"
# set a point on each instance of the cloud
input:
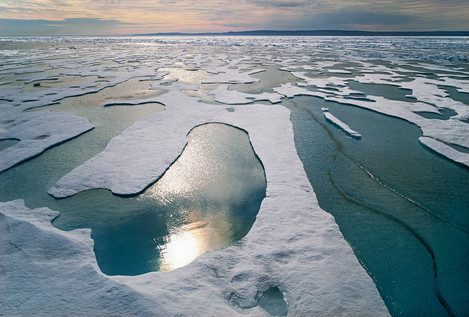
(148, 16)
(281, 4)
(378, 15)
(362, 16)
(58, 27)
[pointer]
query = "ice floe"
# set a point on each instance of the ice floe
(46, 271)
(231, 74)
(445, 150)
(37, 131)
(330, 117)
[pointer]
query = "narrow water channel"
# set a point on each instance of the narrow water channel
(402, 208)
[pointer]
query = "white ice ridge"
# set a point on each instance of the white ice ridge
(445, 150)
(330, 117)
(36, 132)
(293, 244)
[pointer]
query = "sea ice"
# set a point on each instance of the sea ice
(452, 131)
(445, 150)
(232, 97)
(294, 248)
(310, 264)
(230, 74)
(330, 117)
(289, 91)
(46, 271)
(37, 131)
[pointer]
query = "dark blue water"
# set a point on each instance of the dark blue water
(403, 209)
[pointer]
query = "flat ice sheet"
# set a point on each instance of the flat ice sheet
(293, 244)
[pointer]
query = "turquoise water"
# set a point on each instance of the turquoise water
(403, 209)
(272, 300)
(5, 143)
(391, 92)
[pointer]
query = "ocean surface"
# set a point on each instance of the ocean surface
(399, 192)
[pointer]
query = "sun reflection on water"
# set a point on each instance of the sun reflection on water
(210, 195)
(184, 246)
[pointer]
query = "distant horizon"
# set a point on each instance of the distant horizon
(313, 33)
(319, 32)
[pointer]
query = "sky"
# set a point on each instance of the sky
(116, 17)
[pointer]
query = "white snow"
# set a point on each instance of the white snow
(452, 130)
(289, 91)
(424, 90)
(49, 272)
(338, 71)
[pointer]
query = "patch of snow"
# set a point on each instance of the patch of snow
(338, 71)
(461, 84)
(425, 90)
(289, 91)
(50, 272)
(321, 82)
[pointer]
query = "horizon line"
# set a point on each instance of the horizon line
(324, 32)
(313, 32)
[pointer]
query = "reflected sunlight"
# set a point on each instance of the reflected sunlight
(195, 171)
(209, 194)
(185, 246)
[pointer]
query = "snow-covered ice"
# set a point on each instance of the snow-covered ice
(46, 271)
(330, 117)
(36, 131)
(453, 131)
(445, 150)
